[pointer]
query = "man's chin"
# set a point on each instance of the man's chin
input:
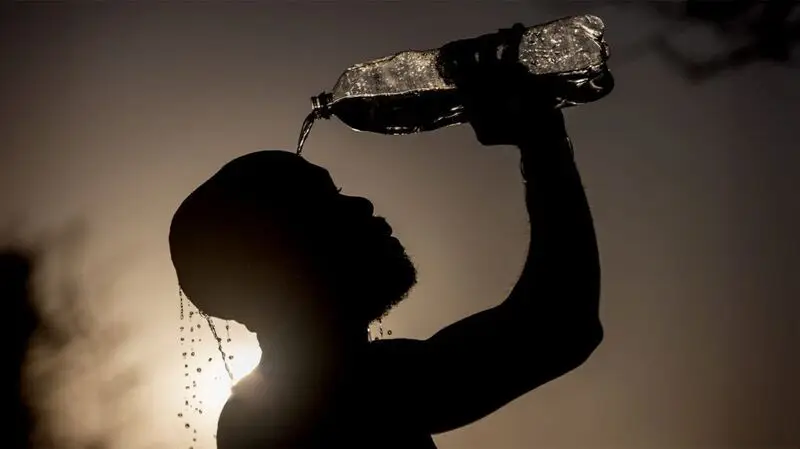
(400, 283)
(387, 285)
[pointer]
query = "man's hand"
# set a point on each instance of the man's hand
(504, 103)
(549, 323)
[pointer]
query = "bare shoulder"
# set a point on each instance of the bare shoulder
(399, 359)
(473, 367)
(234, 416)
(241, 422)
(395, 347)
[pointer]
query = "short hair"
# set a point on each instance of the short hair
(222, 234)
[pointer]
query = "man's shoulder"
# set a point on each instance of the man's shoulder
(394, 350)
(249, 417)
(248, 397)
(396, 365)
(250, 386)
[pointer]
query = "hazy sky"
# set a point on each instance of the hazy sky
(111, 116)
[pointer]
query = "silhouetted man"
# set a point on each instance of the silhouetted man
(271, 242)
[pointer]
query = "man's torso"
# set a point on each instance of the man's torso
(365, 412)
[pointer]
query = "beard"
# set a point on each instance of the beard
(395, 276)
(373, 277)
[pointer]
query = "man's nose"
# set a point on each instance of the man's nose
(359, 205)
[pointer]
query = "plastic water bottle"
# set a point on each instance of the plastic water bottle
(414, 91)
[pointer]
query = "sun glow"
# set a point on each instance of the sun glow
(242, 356)
(207, 382)
(245, 361)
(216, 355)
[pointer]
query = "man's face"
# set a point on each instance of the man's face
(363, 261)
(270, 236)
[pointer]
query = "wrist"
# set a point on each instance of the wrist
(548, 157)
(541, 129)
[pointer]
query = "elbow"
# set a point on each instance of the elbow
(591, 340)
(578, 345)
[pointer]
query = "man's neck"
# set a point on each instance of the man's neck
(297, 350)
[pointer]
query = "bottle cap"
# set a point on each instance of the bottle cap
(320, 105)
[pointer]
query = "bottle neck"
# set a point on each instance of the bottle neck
(320, 108)
(321, 105)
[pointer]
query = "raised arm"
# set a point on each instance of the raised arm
(547, 326)
(561, 277)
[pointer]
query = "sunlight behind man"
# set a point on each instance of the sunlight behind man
(212, 384)
(207, 384)
(243, 355)
(246, 359)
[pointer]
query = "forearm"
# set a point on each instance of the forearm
(560, 281)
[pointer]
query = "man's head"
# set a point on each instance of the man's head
(269, 239)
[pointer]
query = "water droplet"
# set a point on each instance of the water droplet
(210, 359)
(192, 353)
(180, 415)
(181, 327)
(229, 340)
(185, 365)
(199, 370)
(193, 340)
(182, 339)
(184, 354)
(187, 425)
(389, 332)
(230, 357)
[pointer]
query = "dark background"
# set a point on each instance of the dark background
(112, 114)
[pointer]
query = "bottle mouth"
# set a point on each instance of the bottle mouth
(320, 105)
